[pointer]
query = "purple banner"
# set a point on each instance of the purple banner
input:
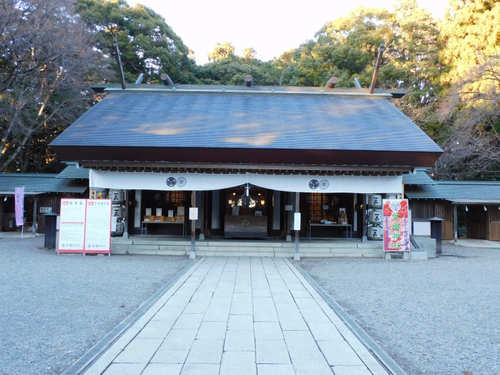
(19, 205)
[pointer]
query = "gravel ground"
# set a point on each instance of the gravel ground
(440, 317)
(54, 308)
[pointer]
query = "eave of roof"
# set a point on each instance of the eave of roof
(36, 184)
(458, 191)
(152, 155)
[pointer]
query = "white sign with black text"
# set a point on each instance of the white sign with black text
(85, 226)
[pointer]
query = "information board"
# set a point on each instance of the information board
(98, 226)
(85, 226)
(72, 225)
(396, 225)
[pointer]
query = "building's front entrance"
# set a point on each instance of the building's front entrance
(247, 212)
(247, 205)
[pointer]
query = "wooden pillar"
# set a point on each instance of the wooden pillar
(289, 219)
(354, 213)
(201, 213)
(276, 209)
(215, 223)
(455, 223)
(297, 227)
(364, 237)
(137, 211)
(125, 217)
(193, 227)
(1, 212)
(35, 215)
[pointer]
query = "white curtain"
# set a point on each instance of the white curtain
(203, 182)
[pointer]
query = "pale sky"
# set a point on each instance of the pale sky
(271, 27)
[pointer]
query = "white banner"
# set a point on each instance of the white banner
(204, 182)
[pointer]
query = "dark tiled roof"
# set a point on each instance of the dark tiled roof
(74, 172)
(38, 183)
(257, 120)
(458, 191)
(419, 177)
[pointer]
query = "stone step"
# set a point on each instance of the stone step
(162, 246)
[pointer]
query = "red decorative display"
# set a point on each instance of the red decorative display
(396, 225)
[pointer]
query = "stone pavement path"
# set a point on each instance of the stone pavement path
(240, 316)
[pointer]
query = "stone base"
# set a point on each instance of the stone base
(419, 255)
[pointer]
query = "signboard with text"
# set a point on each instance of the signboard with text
(85, 226)
(396, 225)
(98, 226)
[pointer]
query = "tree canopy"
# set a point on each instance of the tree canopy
(51, 51)
(221, 52)
(46, 60)
(147, 43)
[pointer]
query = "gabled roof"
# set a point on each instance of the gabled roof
(74, 172)
(250, 120)
(38, 183)
(458, 191)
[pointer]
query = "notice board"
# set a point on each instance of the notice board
(396, 225)
(85, 226)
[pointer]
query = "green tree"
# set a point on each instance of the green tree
(249, 54)
(345, 47)
(221, 52)
(147, 44)
(415, 51)
(471, 37)
(471, 105)
(233, 72)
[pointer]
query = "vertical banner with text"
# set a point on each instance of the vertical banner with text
(85, 226)
(396, 225)
(19, 205)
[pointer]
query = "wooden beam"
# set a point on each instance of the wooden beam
(330, 170)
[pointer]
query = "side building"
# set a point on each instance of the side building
(43, 192)
(469, 209)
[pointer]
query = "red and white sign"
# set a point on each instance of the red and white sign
(396, 225)
(85, 226)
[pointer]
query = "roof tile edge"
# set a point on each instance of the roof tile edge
(255, 92)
